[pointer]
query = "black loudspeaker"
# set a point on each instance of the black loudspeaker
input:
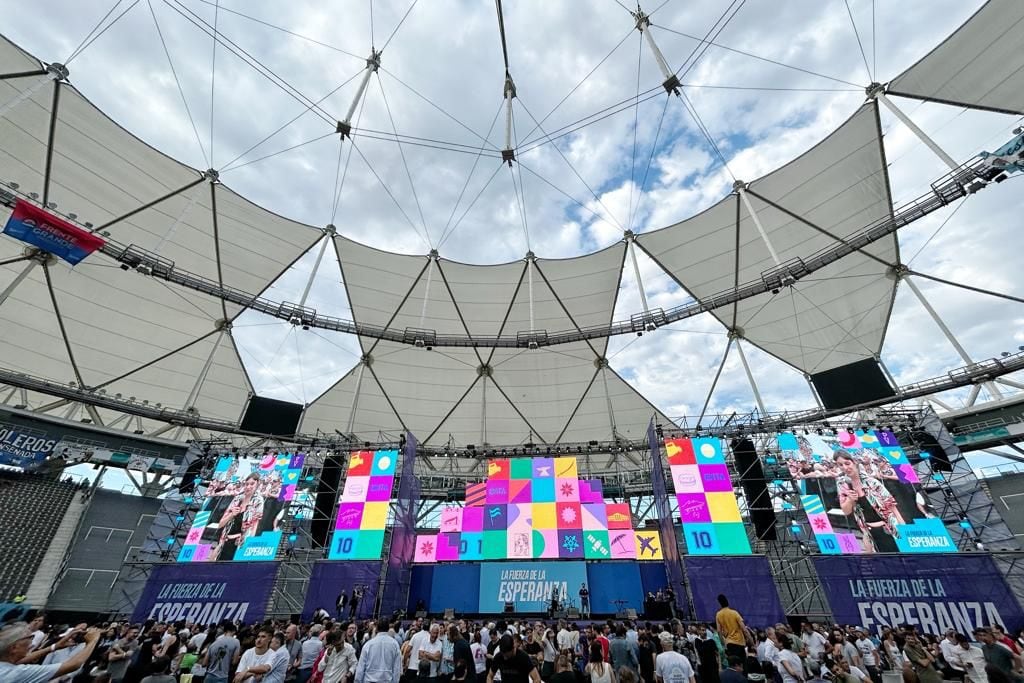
(930, 445)
(631, 613)
(188, 480)
(759, 502)
(422, 614)
(572, 613)
(510, 608)
(852, 385)
(270, 416)
(326, 495)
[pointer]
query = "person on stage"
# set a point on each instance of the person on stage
(554, 601)
(340, 603)
(353, 603)
(584, 600)
(670, 598)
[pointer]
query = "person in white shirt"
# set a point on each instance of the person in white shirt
(281, 661)
(564, 637)
(17, 664)
(868, 655)
(789, 666)
(814, 642)
(415, 645)
(381, 660)
(479, 653)
(431, 650)
(339, 660)
(670, 666)
(258, 660)
(948, 647)
(970, 659)
(38, 634)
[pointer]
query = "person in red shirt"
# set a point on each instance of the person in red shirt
(1006, 640)
(602, 638)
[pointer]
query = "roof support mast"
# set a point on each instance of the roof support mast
(877, 91)
(643, 24)
(329, 233)
(903, 275)
(372, 65)
(508, 154)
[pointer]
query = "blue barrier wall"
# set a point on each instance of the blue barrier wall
(611, 581)
(455, 586)
(420, 586)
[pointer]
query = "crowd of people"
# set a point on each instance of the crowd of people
(510, 651)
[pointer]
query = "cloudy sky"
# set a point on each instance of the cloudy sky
(157, 73)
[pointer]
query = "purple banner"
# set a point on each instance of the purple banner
(207, 593)
(745, 581)
(935, 593)
(331, 579)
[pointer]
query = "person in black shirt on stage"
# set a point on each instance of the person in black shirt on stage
(515, 666)
(584, 600)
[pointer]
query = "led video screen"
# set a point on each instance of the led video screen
(363, 510)
(533, 508)
(861, 494)
(243, 507)
(707, 504)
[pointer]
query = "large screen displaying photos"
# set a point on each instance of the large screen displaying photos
(861, 494)
(243, 507)
(363, 509)
(707, 504)
(537, 508)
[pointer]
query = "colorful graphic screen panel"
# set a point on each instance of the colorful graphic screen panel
(363, 509)
(537, 508)
(861, 494)
(707, 505)
(243, 505)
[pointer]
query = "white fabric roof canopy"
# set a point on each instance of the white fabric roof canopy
(978, 66)
(544, 395)
(838, 314)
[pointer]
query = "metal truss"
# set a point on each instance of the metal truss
(959, 183)
(973, 374)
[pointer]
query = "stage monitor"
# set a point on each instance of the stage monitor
(242, 505)
(271, 416)
(707, 503)
(537, 508)
(854, 384)
(860, 494)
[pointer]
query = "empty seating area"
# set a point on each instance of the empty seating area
(31, 508)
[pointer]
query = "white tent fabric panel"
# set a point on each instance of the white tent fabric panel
(16, 60)
(23, 132)
(823, 324)
(467, 424)
(29, 334)
(423, 385)
(331, 411)
(378, 281)
(980, 65)
(222, 394)
(632, 412)
(100, 171)
(483, 293)
(545, 384)
(586, 287)
(840, 186)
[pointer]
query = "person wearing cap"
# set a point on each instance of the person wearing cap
(670, 666)
(15, 640)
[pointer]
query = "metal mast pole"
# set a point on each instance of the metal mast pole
(877, 92)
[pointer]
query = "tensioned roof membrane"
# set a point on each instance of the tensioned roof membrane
(102, 326)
